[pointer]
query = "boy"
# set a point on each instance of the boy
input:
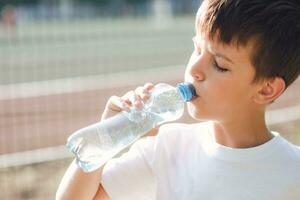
(247, 53)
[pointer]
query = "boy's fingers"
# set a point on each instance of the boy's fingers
(147, 90)
(132, 99)
(144, 92)
(148, 86)
(136, 101)
(138, 105)
(126, 97)
(141, 92)
(117, 104)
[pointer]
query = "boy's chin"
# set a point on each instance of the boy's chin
(195, 114)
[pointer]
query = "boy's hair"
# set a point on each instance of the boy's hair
(273, 25)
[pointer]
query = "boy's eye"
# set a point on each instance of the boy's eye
(218, 68)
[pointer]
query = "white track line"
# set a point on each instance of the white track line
(34, 156)
(79, 84)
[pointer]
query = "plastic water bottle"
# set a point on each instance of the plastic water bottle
(94, 145)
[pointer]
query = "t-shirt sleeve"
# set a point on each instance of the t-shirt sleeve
(130, 176)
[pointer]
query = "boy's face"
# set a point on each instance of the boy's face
(222, 75)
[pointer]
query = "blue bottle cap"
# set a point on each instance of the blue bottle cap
(187, 91)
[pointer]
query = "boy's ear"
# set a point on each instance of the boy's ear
(270, 90)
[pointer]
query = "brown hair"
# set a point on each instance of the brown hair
(274, 25)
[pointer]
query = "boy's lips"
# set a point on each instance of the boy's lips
(195, 97)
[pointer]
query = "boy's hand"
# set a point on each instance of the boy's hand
(132, 99)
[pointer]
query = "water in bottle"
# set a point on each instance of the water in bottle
(96, 144)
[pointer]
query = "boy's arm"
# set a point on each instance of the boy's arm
(101, 194)
(77, 184)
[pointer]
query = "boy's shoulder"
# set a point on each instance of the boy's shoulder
(286, 162)
(291, 151)
(283, 154)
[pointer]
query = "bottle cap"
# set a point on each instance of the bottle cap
(187, 91)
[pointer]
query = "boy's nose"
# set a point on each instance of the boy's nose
(197, 73)
(198, 77)
(196, 67)
(194, 75)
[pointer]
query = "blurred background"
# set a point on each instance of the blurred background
(60, 60)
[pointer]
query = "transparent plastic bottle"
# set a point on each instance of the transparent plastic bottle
(96, 144)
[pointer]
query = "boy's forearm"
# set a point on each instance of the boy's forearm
(101, 194)
(77, 184)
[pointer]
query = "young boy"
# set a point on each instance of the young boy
(247, 53)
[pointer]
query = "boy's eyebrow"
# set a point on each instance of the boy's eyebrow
(220, 55)
(223, 56)
(216, 54)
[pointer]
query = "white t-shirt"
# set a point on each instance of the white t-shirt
(184, 162)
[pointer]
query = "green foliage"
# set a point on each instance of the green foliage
(14, 2)
(95, 2)
(99, 2)
(136, 1)
(3, 3)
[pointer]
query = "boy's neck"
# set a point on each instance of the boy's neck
(248, 132)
